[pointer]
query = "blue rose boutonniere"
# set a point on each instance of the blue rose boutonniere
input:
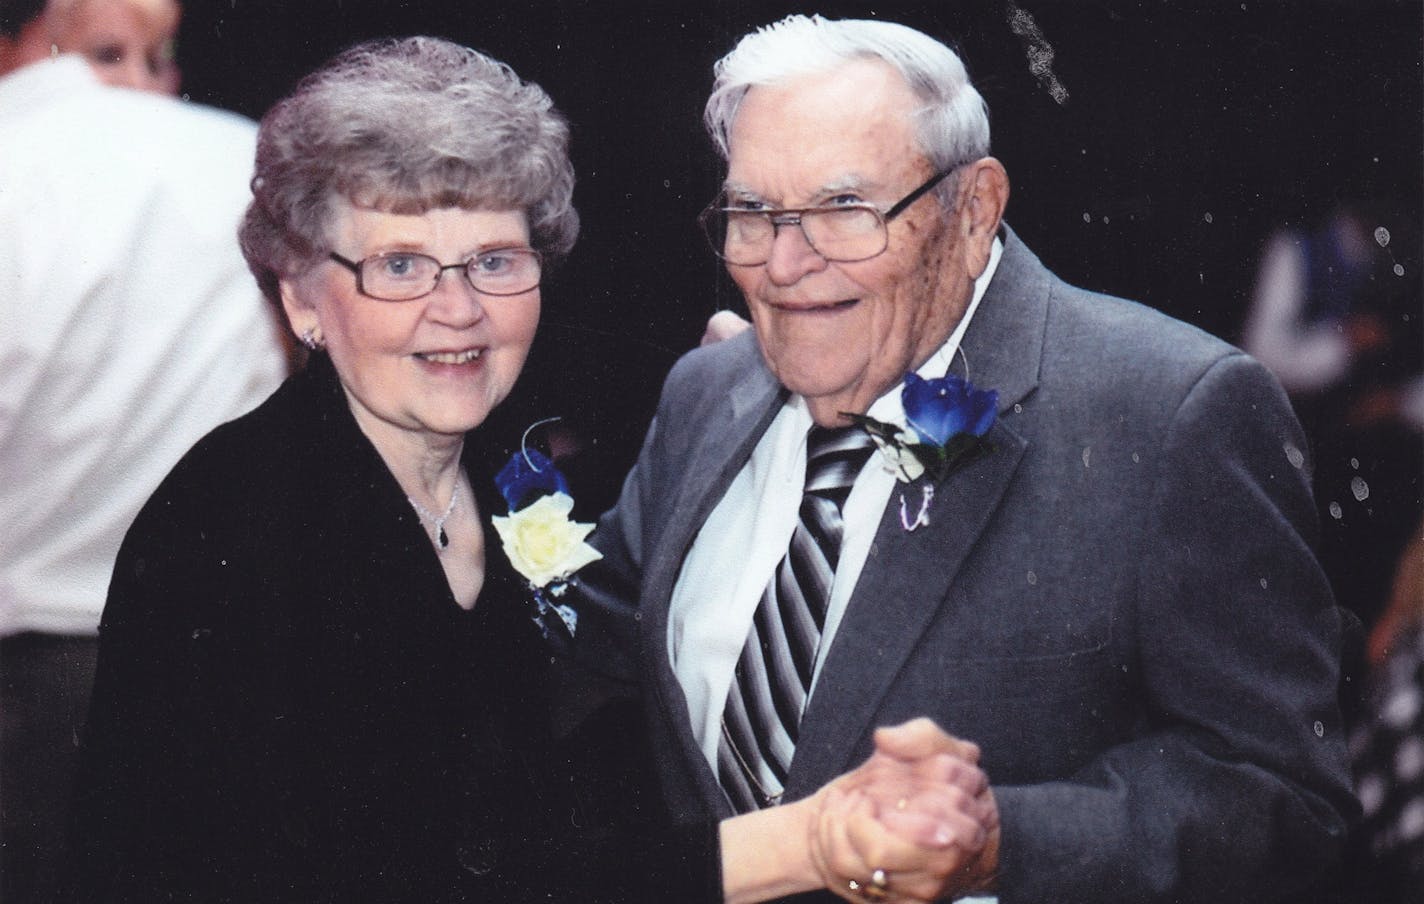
(945, 423)
(528, 475)
(543, 543)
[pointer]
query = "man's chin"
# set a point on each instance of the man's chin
(828, 405)
(828, 397)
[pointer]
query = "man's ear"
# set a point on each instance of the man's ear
(984, 187)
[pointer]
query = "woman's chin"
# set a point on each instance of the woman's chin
(455, 423)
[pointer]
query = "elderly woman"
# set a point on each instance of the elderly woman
(318, 678)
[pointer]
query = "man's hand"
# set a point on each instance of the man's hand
(916, 822)
(925, 745)
(723, 325)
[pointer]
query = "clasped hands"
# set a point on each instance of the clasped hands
(916, 822)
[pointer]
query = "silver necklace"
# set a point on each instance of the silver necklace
(442, 540)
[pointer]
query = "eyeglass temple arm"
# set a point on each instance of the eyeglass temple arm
(349, 265)
(917, 194)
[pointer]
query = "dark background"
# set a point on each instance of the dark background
(1189, 130)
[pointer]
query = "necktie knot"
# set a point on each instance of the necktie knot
(834, 457)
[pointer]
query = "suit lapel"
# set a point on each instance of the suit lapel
(729, 434)
(907, 575)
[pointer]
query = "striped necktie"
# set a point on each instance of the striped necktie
(762, 717)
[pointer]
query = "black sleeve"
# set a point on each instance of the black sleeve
(168, 801)
(611, 837)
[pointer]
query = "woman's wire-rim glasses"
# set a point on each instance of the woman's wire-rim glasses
(409, 275)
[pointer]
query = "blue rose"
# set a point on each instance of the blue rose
(939, 410)
(529, 475)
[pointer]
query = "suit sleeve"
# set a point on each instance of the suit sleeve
(1234, 788)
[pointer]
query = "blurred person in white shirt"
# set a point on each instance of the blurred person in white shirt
(131, 328)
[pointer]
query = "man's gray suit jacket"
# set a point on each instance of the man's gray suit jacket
(1118, 603)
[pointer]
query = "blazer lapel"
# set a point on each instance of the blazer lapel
(907, 575)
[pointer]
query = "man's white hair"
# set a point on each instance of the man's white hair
(952, 126)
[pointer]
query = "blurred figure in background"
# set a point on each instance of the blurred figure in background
(129, 43)
(1336, 317)
(131, 328)
(1387, 746)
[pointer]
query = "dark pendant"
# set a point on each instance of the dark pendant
(444, 540)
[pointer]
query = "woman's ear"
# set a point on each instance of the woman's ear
(301, 314)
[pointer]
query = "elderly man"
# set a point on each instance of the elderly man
(1109, 589)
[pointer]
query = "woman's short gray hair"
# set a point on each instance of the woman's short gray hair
(405, 126)
(952, 126)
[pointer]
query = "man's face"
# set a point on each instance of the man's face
(843, 334)
(129, 44)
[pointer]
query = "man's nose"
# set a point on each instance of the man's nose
(791, 256)
(134, 73)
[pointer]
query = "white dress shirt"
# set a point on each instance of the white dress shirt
(131, 326)
(736, 552)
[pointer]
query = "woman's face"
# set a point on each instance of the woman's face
(430, 366)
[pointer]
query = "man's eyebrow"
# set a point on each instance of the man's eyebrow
(739, 190)
(847, 183)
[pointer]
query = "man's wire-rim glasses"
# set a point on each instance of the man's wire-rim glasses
(845, 233)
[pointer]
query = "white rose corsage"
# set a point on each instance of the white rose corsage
(540, 538)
